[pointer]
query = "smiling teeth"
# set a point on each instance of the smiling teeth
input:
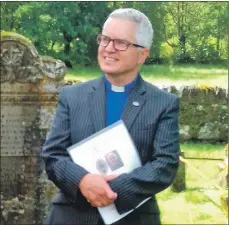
(110, 59)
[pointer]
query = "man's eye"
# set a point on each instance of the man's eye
(120, 42)
(105, 39)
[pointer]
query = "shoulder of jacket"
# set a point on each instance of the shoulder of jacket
(79, 87)
(154, 90)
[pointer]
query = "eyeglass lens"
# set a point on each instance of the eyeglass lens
(118, 44)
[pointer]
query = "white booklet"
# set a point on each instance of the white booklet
(109, 151)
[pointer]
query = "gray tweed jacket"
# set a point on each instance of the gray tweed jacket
(153, 126)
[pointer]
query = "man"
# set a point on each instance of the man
(114, 161)
(150, 114)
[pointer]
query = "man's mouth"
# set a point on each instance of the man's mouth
(110, 59)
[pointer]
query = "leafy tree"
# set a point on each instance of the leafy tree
(7, 16)
(61, 29)
(190, 26)
(183, 31)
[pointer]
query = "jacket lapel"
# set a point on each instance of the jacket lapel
(97, 104)
(135, 102)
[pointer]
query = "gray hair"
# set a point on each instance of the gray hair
(144, 29)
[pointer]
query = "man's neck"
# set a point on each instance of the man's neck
(120, 80)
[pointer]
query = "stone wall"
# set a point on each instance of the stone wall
(29, 87)
(203, 113)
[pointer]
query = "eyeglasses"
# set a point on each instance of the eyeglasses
(118, 44)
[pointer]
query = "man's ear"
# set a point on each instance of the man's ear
(144, 53)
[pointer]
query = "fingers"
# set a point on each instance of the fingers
(96, 190)
(110, 194)
(106, 196)
(110, 177)
(97, 204)
(102, 197)
(100, 201)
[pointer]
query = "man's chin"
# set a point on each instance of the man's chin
(111, 72)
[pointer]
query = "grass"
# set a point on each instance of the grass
(185, 208)
(198, 150)
(189, 71)
(82, 73)
(200, 202)
(190, 74)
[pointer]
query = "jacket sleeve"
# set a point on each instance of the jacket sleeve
(59, 167)
(159, 172)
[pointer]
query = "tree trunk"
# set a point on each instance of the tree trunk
(181, 29)
(67, 47)
(218, 36)
(53, 43)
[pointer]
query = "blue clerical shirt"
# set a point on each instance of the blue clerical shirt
(116, 97)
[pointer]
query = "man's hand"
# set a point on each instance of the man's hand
(110, 177)
(96, 190)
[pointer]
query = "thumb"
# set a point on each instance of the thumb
(110, 177)
(111, 194)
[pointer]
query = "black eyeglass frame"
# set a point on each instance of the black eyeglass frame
(110, 39)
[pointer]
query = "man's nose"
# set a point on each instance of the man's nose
(110, 47)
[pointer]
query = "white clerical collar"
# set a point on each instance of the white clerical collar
(117, 88)
(126, 88)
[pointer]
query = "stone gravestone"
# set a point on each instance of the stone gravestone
(29, 88)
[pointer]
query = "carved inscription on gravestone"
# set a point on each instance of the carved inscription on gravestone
(28, 85)
(15, 120)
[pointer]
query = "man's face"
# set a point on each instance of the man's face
(112, 158)
(125, 63)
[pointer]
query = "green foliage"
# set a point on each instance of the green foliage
(59, 29)
(8, 18)
(184, 32)
(190, 25)
(166, 52)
